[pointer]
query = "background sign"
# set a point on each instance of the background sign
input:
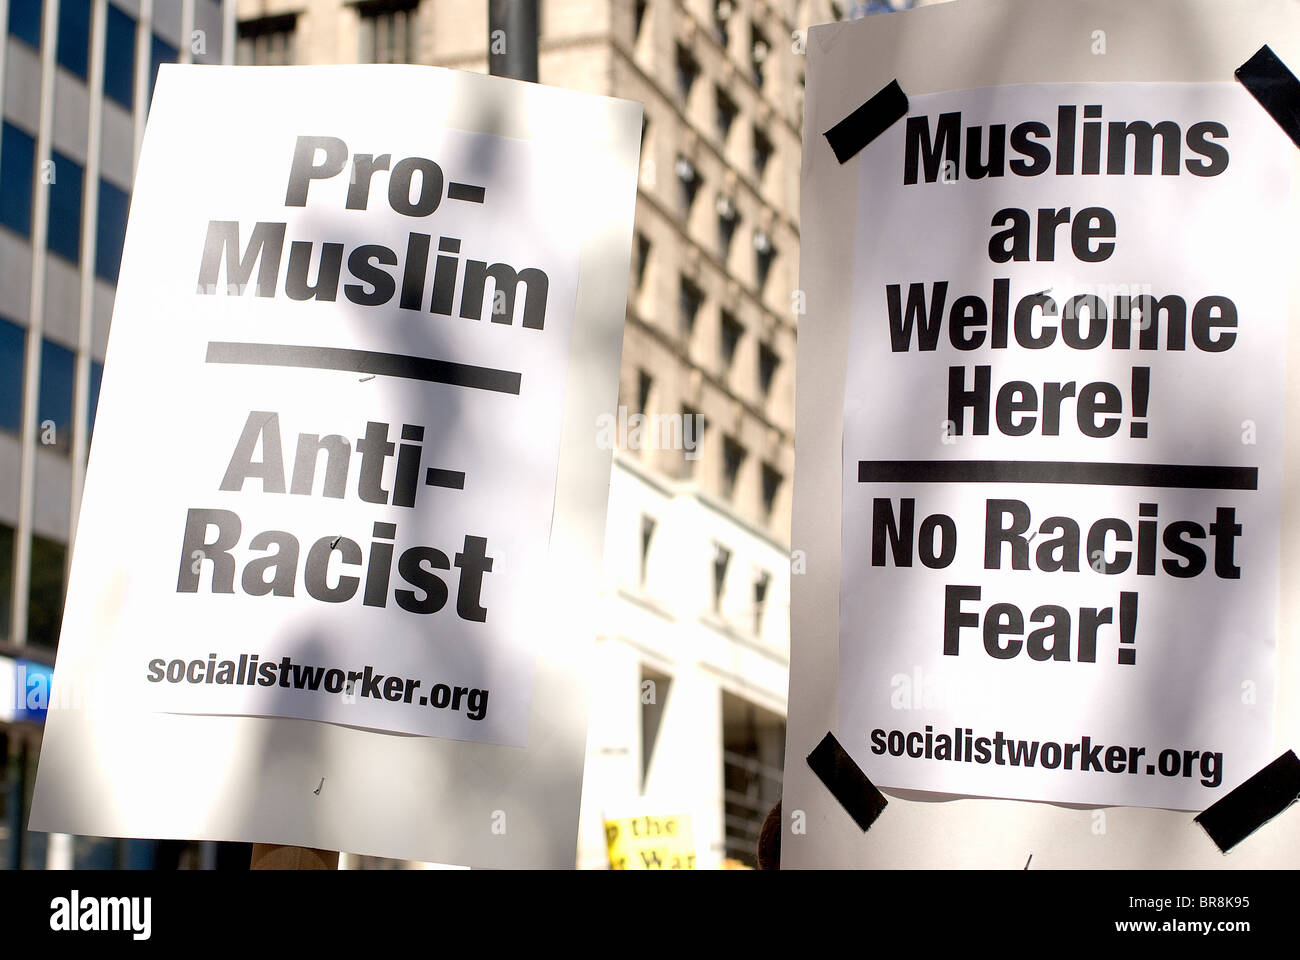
(650, 843)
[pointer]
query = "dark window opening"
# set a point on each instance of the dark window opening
(730, 334)
(768, 361)
(772, 480)
(733, 458)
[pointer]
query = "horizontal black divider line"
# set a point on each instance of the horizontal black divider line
(364, 361)
(466, 191)
(437, 477)
(1046, 471)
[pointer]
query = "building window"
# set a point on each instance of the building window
(721, 561)
(726, 118)
(693, 427)
(762, 154)
(65, 208)
(6, 581)
(768, 361)
(753, 757)
(771, 487)
(160, 52)
(45, 592)
(639, 13)
(119, 57)
(690, 185)
(642, 259)
(54, 403)
(110, 230)
(73, 52)
(687, 71)
(764, 254)
(17, 177)
(13, 343)
(25, 21)
(733, 458)
(387, 31)
(267, 41)
(761, 583)
(727, 221)
(759, 51)
(648, 525)
(654, 694)
(643, 384)
(96, 378)
(690, 298)
(728, 340)
(722, 11)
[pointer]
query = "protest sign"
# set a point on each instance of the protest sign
(338, 457)
(1064, 534)
(1048, 296)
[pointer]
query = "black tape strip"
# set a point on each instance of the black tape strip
(867, 122)
(1275, 87)
(846, 782)
(465, 191)
(1261, 798)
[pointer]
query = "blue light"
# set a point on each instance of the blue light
(32, 694)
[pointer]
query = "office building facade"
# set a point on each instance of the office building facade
(76, 77)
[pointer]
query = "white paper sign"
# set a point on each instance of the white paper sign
(351, 521)
(344, 467)
(1062, 444)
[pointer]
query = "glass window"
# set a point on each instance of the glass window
(731, 332)
(45, 593)
(6, 578)
(119, 57)
(687, 71)
(642, 255)
(722, 11)
(54, 406)
(771, 487)
(13, 339)
(65, 208)
(74, 36)
(727, 111)
(763, 150)
(17, 176)
(266, 41)
(727, 221)
(759, 52)
(693, 427)
(644, 383)
(733, 458)
(160, 52)
(761, 582)
(690, 298)
(690, 185)
(767, 364)
(721, 560)
(648, 524)
(96, 377)
(25, 21)
(640, 18)
(387, 31)
(110, 230)
(764, 254)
